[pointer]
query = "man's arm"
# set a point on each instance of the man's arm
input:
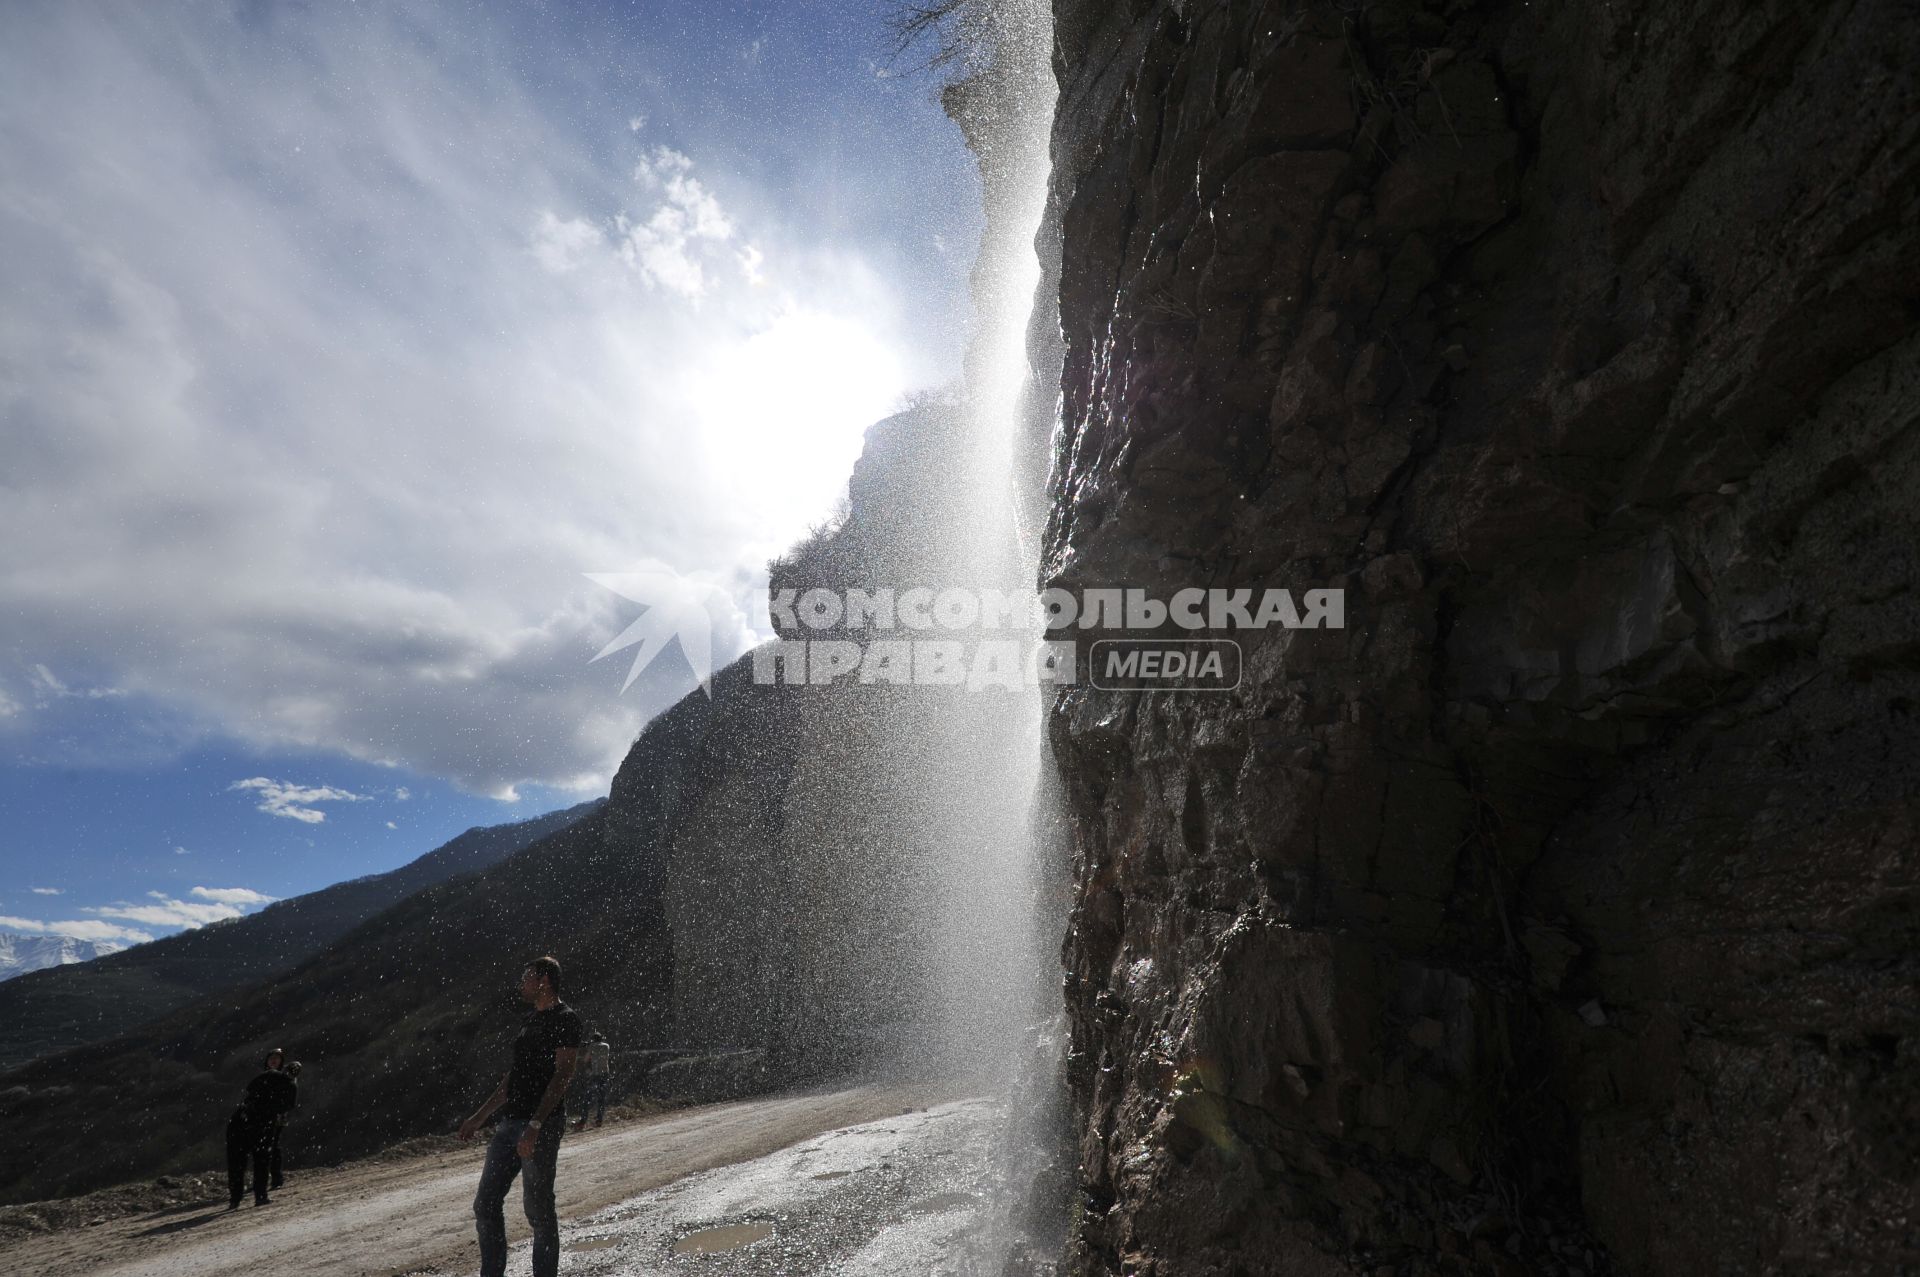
(564, 1060)
(485, 1111)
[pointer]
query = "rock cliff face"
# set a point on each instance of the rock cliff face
(784, 860)
(1558, 915)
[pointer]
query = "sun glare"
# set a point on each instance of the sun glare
(784, 412)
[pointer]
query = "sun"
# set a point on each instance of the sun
(784, 410)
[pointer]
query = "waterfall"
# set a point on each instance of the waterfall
(991, 777)
(925, 880)
(988, 765)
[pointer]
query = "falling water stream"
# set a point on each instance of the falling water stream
(986, 763)
(985, 774)
(927, 926)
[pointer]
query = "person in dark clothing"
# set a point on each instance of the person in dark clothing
(276, 1167)
(243, 1142)
(599, 1073)
(531, 1101)
(250, 1128)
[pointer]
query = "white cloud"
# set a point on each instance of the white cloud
(168, 913)
(391, 825)
(47, 687)
(706, 220)
(402, 793)
(661, 163)
(210, 904)
(636, 122)
(295, 802)
(563, 244)
(750, 259)
(181, 851)
(679, 238)
(8, 706)
(234, 895)
(45, 891)
(78, 928)
(658, 250)
(311, 449)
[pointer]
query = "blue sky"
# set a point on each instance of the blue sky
(341, 342)
(140, 852)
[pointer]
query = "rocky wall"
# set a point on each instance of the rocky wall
(782, 857)
(1558, 914)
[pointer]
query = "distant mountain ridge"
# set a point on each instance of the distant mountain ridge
(59, 1007)
(21, 954)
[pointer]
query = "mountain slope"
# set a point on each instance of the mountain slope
(402, 1023)
(20, 955)
(62, 1007)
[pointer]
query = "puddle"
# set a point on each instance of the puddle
(594, 1243)
(942, 1201)
(712, 1241)
(833, 1174)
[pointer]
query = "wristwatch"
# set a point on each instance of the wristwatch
(534, 1125)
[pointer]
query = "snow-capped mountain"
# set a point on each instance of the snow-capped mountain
(21, 954)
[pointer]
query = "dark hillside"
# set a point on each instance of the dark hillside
(402, 1023)
(63, 1007)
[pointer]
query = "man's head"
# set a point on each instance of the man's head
(275, 1058)
(540, 979)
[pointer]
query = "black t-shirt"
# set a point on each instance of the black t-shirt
(547, 1032)
(270, 1094)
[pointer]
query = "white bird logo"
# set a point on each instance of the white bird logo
(675, 608)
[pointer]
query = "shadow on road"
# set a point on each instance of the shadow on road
(182, 1209)
(181, 1225)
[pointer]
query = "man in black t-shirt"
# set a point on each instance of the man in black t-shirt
(531, 1102)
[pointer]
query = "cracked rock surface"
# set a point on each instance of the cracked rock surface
(1558, 914)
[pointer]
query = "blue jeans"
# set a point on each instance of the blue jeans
(536, 1195)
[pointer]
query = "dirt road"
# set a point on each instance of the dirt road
(386, 1219)
(910, 1195)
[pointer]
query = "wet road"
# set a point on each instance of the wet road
(907, 1194)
